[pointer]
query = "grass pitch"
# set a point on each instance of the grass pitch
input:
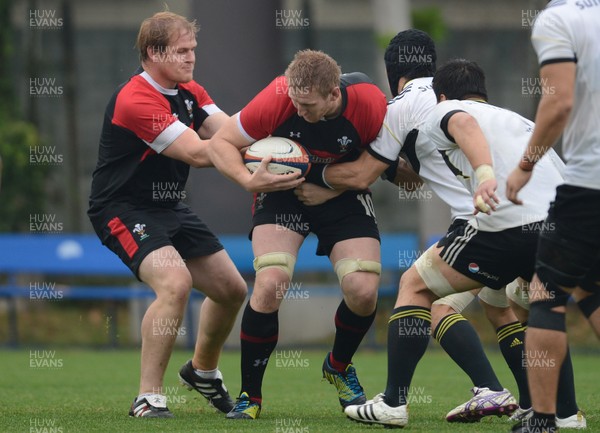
(64, 391)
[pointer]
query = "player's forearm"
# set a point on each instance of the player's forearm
(558, 87)
(358, 175)
(200, 157)
(406, 177)
(227, 159)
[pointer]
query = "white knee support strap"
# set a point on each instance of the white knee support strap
(457, 301)
(495, 298)
(431, 275)
(344, 267)
(518, 292)
(278, 260)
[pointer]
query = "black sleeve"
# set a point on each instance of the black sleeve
(444, 123)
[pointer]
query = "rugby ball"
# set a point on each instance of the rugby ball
(287, 156)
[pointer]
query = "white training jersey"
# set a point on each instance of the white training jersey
(406, 114)
(507, 134)
(569, 30)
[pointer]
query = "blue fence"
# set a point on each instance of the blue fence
(52, 256)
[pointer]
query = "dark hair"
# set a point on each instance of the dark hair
(410, 54)
(459, 79)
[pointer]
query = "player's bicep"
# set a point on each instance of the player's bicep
(466, 132)
(212, 124)
(230, 132)
(558, 81)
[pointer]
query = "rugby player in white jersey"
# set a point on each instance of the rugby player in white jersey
(566, 37)
(465, 259)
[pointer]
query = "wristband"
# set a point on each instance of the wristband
(316, 175)
(390, 173)
(483, 173)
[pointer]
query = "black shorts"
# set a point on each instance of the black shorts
(347, 216)
(570, 247)
(492, 258)
(134, 234)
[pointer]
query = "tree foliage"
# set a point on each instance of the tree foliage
(21, 183)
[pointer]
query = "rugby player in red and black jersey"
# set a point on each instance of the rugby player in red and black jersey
(334, 116)
(156, 125)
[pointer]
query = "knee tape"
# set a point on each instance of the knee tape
(517, 291)
(431, 275)
(344, 267)
(457, 301)
(495, 298)
(278, 260)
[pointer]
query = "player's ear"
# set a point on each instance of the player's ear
(336, 93)
(442, 98)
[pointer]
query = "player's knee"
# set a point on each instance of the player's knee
(498, 316)
(438, 312)
(548, 311)
(175, 289)
(588, 304)
(235, 291)
(362, 301)
(410, 281)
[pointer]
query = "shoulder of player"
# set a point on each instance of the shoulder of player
(192, 87)
(361, 93)
(137, 91)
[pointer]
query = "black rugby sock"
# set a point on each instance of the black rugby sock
(258, 336)
(350, 329)
(511, 339)
(459, 339)
(566, 403)
(409, 328)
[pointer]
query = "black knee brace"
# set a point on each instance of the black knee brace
(541, 314)
(590, 304)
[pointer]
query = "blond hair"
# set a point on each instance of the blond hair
(312, 69)
(157, 31)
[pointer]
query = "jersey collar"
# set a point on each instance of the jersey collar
(146, 76)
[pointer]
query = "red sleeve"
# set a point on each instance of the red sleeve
(366, 110)
(269, 109)
(142, 110)
(205, 102)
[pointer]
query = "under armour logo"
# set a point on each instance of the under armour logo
(258, 362)
(294, 134)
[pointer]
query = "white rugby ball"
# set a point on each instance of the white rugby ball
(287, 156)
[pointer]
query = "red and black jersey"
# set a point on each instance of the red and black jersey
(141, 120)
(271, 112)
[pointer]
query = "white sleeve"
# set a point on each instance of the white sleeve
(386, 147)
(211, 109)
(436, 124)
(550, 38)
(168, 136)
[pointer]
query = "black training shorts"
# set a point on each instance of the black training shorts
(347, 216)
(570, 246)
(492, 258)
(134, 234)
